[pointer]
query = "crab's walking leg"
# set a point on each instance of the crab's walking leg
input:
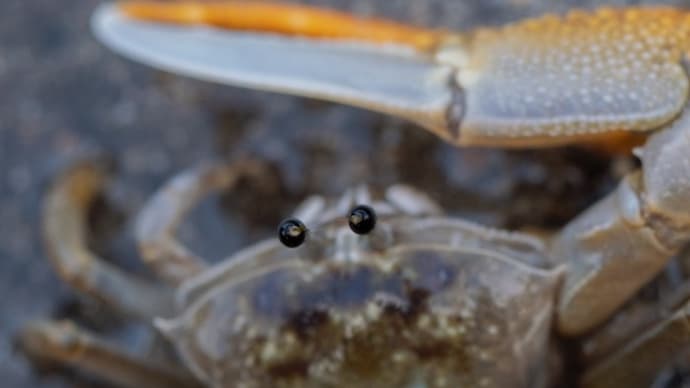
(651, 333)
(65, 231)
(64, 343)
(625, 240)
(158, 221)
(639, 362)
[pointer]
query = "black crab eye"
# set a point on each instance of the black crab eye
(292, 233)
(362, 219)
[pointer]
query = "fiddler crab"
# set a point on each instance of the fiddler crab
(383, 290)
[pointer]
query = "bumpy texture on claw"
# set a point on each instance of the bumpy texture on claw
(580, 77)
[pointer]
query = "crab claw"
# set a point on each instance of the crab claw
(608, 76)
(374, 64)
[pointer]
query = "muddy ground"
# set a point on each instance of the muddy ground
(63, 95)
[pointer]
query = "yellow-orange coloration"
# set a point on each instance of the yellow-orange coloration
(616, 143)
(289, 19)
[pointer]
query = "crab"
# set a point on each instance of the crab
(419, 300)
(369, 289)
(364, 290)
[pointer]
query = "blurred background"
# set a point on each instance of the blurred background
(62, 96)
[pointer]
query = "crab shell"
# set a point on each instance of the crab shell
(423, 301)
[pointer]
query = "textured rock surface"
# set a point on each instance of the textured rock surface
(61, 93)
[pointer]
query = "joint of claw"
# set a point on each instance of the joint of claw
(670, 232)
(672, 235)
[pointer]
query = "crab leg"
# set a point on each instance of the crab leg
(625, 240)
(64, 343)
(628, 345)
(638, 363)
(65, 232)
(157, 223)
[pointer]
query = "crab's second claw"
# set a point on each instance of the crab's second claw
(390, 78)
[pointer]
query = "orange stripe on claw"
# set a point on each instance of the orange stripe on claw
(290, 19)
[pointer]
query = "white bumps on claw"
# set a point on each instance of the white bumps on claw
(569, 78)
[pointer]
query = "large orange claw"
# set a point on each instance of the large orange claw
(584, 77)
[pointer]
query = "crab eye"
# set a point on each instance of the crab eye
(292, 233)
(362, 219)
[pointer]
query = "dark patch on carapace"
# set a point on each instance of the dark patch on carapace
(290, 369)
(418, 298)
(409, 308)
(431, 350)
(305, 323)
(420, 275)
